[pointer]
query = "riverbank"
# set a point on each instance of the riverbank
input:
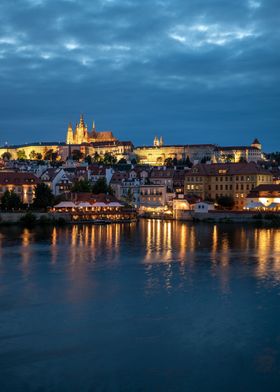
(217, 216)
(27, 218)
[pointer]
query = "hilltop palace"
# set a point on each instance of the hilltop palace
(92, 141)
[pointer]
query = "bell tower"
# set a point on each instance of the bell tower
(70, 137)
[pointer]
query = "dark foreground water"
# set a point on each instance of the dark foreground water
(153, 306)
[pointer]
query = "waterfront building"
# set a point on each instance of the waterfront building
(88, 207)
(203, 207)
(23, 184)
(152, 196)
(211, 181)
(265, 197)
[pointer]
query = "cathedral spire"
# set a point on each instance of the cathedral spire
(82, 123)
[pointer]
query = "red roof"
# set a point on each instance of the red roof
(92, 198)
(214, 169)
(16, 178)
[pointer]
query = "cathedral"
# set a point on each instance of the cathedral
(82, 135)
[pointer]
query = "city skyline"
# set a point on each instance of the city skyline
(193, 73)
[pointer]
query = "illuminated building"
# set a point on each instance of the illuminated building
(265, 197)
(88, 207)
(23, 184)
(211, 181)
(252, 153)
(82, 135)
(156, 155)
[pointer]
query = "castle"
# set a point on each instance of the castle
(82, 135)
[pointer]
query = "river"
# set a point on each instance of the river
(148, 306)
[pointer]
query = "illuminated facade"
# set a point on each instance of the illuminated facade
(211, 181)
(23, 184)
(31, 151)
(252, 153)
(156, 155)
(265, 197)
(82, 135)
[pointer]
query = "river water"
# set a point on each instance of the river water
(148, 306)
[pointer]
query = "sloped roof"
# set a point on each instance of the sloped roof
(18, 178)
(51, 173)
(162, 173)
(214, 169)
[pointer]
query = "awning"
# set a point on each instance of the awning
(115, 204)
(84, 204)
(99, 204)
(273, 205)
(65, 204)
(255, 204)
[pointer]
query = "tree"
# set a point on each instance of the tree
(81, 186)
(21, 154)
(88, 159)
(226, 202)
(50, 155)
(205, 159)
(101, 187)
(96, 157)
(39, 156)
(122, 161)
(168, 162)
(187, 162)
(32, 154)
(242, 160)
(7, 156)
(10, 201)
(229, 158)
(109, 159)
(43, 197)
(77, 155)
(129, 197)
(135, 160)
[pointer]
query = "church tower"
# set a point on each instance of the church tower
(70, 137)
(256, 144)
(156, 141)
(81, 132)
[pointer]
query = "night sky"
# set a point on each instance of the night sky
(193, 71)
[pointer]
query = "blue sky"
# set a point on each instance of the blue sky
(203, 71)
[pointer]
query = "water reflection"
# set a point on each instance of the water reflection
(176, 245)
(94, 300)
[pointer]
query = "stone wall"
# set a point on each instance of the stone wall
(14, 217)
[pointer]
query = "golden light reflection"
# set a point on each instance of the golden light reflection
(26, 250)
(54, 251)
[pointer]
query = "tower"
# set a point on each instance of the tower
(156, 141)
(256, 144)
(81, 132)
(70, 137)
(161, 141)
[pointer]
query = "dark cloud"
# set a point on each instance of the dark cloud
(193, 71)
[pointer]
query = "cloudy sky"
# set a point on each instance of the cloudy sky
(194, 71)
